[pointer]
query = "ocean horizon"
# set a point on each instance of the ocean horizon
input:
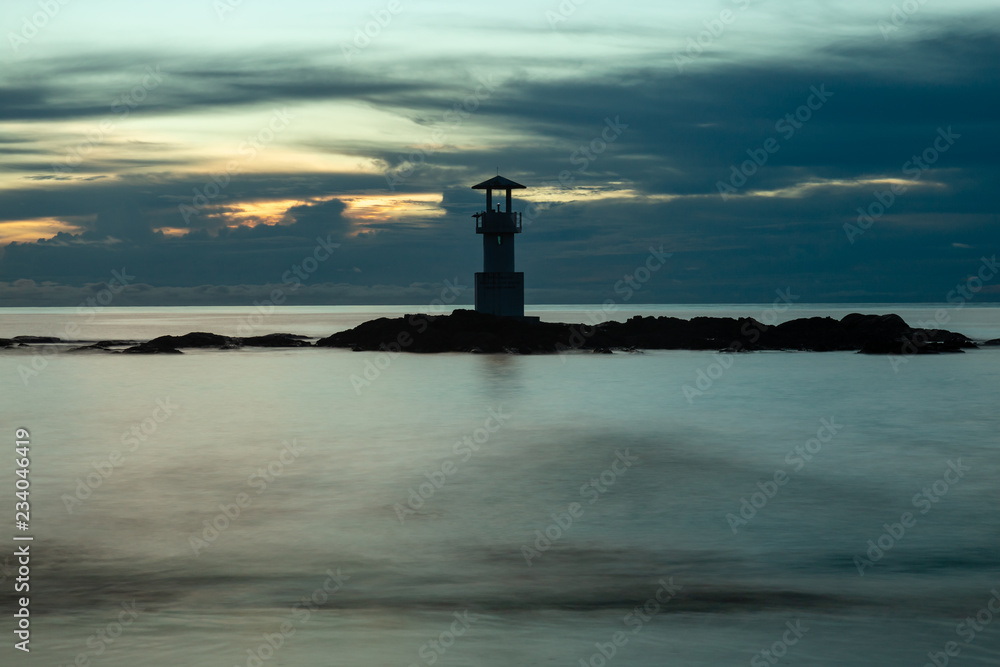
(94, 322)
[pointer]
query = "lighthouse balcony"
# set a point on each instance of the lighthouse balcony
(496, 222)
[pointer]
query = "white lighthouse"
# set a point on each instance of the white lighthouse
(499, 289)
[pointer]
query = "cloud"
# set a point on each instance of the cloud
(98, 85)
(142, 294)
(656, 183)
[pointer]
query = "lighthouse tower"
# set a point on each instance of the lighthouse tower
(499, 289)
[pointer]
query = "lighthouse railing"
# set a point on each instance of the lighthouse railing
(493, 222)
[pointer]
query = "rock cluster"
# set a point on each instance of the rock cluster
(200, 339)
(469, 331)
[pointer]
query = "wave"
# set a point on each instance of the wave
(489, 580)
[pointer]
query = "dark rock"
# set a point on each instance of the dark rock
(948, 340)
(669, 333)
(915, 341)
(277, 340)
(992, 343)
(467, 331)
(194, 339)
(144, 349)
(885, 324)
(820, 334)
(171, 344)
(96, 347)
(42, 340)
(105, 346)
(462, 331)
(200, 339)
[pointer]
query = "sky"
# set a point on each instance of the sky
(226, 151)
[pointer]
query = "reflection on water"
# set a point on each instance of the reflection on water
(270, 495)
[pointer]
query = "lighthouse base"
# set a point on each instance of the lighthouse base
(500, 293)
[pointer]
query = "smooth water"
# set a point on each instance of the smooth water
(417, 487)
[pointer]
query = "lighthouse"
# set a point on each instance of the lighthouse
(499, 289)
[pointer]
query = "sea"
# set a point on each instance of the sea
(311, 506)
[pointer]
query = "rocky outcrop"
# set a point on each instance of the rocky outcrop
(276, 340)
(37, 340)
(173, 344)
(200, 339)
(105, 346)
(469, 331)
(462, 331)
(24, 341)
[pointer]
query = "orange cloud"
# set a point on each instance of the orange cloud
(29, 231)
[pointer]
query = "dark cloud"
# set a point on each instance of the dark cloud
(116, 85)
(142, 294)
(685, 132)
(320, 218)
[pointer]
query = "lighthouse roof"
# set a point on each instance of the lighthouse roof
(499, 183)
